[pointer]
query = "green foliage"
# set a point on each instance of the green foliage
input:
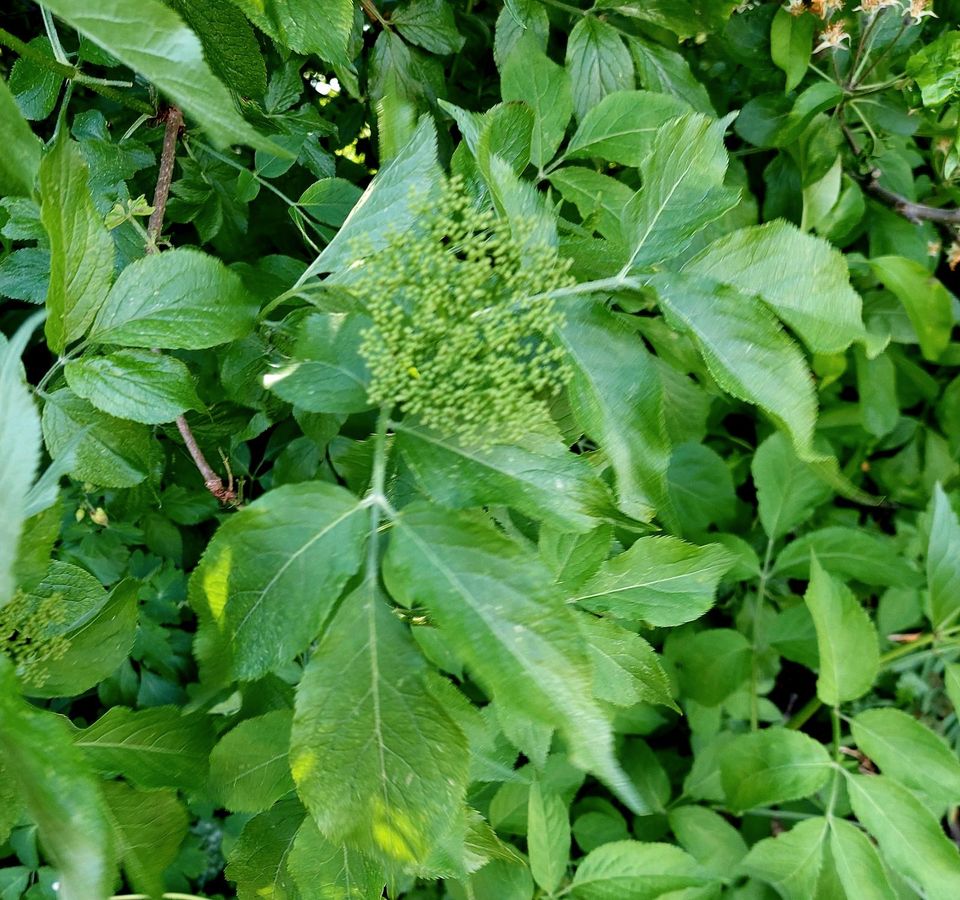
(476, 451)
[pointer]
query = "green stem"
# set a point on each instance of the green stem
(377, 495)
(72, 73)
(757, 614)
(863, 47)
(883, 53)
(567, 7)
(52, 36)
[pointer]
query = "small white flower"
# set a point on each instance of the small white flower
(919, 9)
(832, 37)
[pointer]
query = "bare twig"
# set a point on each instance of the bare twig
(374, 14)
(174, 122)
(911, 211)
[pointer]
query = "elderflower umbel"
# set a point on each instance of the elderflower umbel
(31, 633)
(832, 37)
(462, 321)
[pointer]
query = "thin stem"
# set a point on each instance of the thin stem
(567, 7)
(863, 47)
(174, 122)
(757, 614)
(374, 14)
(72, 73)
(53, 36)
(377, 495)
(886, 50)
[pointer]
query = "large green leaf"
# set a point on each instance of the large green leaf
(683, 190)
(791, 863)
(617, 399)
(153, 748)
(497, 610)
(638, 871)
(59, 791)
(662, 580)
(598, 61)
(909, 836)
(81, 248)
(665, 71)
(788, 490)
(531, 76)
(257, 862)
(745, 349)
(857, 862)
(943, 561)
(377, 760)
(772, 766)
(537, 475)
(708, 837)
(19, 451)
(851, 553)
(846, 638)
(926, 300)
(302, 27)
(548, 836)
(249, 770)
(98, 447)
(99, 629)
(802, 278)
(599, 198)
(271, 575)
(134, 384)
(621, 128)
(172, 59)
(21, 157)
(907, 750)
(148, 827)
(181, 299)
(329, 872)
(388, 206)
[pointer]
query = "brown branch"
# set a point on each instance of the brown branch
(174, 122)
(374, 14)
(904, 206)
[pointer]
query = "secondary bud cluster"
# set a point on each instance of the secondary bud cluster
(462, 319)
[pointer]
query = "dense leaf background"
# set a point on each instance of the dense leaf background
(316, 584)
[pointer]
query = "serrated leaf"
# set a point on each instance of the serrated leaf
(801, 278)
(908, 751)
(850, 553)
(326, 871)
(712, 665)
(25, 274)
(573, 558)
(617, 399)
(100, 448)
(173, 60)
(663, 580)
(846, 638)
(665, 71)
(599, 198)
(326, 373)
(153, 748)
(788, 490)
(745, 349)
(529, 75)
(181, 299)
(249, 769)
(548, 836)
(772, 766)
(35, 87)
(271, 575)
(19, 450)
(59, 792)
(791, 862)
(99, 627)
(148, 827)
(626, 669)
(943, 561)
(623, 126)
(377, 760)
(857, 863)
(429, 24)
(635, 870)
(791, 43)
(683, 190)
(598, 62)
(537, 475)
(709, 838)
(296, 24)
(258, 860)
(21, 160)
(81, 248)
(388, 206)
(910, 838)
(229, 44)
(494, 603)
(134, 384)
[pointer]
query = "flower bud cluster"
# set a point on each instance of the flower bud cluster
(462, 320)
(31, 633)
